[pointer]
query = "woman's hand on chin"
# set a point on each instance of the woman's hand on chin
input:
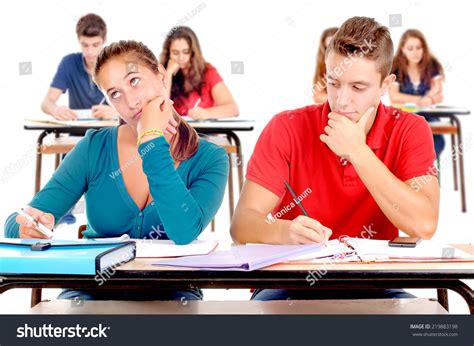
(157, 114)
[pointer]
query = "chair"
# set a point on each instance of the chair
(441, 128)
(56, 145)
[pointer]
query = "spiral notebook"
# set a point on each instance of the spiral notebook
(346, 249)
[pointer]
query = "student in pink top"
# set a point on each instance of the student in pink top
(194, 85)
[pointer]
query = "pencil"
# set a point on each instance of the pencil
(296, 198)
(197, 103)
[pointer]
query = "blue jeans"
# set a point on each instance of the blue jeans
(122, 294)
(439, 142)
(282, 294)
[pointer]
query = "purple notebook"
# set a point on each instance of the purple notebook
(242, 258)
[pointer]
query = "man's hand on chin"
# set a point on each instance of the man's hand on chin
(345, 137)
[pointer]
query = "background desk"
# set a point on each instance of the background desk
(227, 127)
(457, 148)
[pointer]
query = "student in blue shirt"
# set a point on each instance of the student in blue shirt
(419, 77)
(74, 75)
(150, 178)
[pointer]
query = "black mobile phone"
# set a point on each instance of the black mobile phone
(404, 242)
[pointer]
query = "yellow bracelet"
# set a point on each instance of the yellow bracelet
(150, 132)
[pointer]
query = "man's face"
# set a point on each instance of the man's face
(354, 85)
(91, 47)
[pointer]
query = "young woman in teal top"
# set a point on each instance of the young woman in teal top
(169, 185)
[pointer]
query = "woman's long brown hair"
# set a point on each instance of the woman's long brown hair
(185, 143)
(429, 66)
(320, 63)
(183, 85)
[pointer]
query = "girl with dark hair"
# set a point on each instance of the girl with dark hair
(320, 94)
(194, 85)
(419, 76)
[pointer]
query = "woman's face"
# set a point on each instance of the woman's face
(413, 50)
(129, 86)
(180, 52)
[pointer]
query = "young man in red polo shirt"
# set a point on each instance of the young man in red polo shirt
(358, 167)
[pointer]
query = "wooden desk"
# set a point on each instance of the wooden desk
(227, 127)
(142, 274)
(411, 306)
(457, 148)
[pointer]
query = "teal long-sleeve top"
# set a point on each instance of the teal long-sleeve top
(185, 199)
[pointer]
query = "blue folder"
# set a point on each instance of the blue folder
(87, 257)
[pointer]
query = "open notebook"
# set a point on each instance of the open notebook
(167, 248)
(426, 251)
(372, 250)
(256, 256)
(242, 258)
(83, 121)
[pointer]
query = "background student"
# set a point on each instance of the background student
(152, 177)
(195, 86)
(419, 77)
(74, 75)
(319, 80)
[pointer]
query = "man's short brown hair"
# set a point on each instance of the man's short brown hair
(364, 37)
(91, 25)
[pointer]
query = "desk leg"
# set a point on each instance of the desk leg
(35, 296)
(39, 158)
(57, 160)
(443, 298)
(454, 152)
(465, 291)
(231, 188)
(36, 292)
(240, 161)
(460, 156)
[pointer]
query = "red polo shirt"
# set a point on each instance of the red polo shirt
(329, 188)
(210, 79)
